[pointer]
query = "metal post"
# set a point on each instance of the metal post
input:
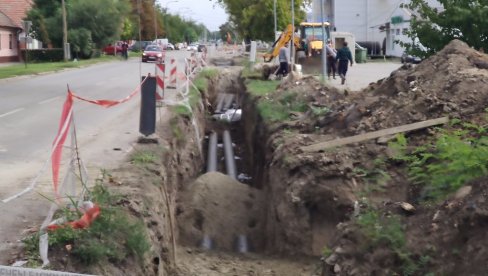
(65, 31)
(292, 48)
(324, 46)
(155, 22)
(275, 27)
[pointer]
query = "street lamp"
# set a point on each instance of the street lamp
(166, 11)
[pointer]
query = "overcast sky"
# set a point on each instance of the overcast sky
(201, 11)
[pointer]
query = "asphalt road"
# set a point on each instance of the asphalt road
(30, 109)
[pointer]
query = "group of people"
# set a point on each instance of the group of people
(337, 60)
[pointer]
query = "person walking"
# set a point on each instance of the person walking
(331, 53)
(344, 57)
(283, 58)
(125, 48)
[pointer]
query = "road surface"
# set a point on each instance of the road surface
(30, 111)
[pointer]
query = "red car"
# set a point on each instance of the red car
(153, 53)
(109, 49)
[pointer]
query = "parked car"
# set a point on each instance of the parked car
(170, 46)
(201, 48)
(152, 53)
(179, 46)
(406, 58)
(113, 49)
(192, 47)
(139, 45)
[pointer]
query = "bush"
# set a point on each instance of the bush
(43, 55)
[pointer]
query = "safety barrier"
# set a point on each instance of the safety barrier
(160, 75)
(172, 74)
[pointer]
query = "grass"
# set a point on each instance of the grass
(446, 163)
(143, 157)
(38, 68)
(112, 237)
(279, 108)
(388, 231)
(260, 87)
(181, 110)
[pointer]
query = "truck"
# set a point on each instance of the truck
(162, 42)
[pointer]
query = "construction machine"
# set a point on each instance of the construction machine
(284, 38)
(311, 34)
(309, 40)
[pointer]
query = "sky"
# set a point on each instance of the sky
(201, 11)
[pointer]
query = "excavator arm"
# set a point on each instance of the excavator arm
(284, 38)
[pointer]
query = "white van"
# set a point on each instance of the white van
(163, 42)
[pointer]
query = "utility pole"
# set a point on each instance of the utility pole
(65, 33)
(155, 22)
(275, 27)
(292, 45)
(324, 46)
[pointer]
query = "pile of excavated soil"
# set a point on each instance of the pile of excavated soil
(219, 207)
(315, 193)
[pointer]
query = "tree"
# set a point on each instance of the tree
(80, 42)
(254, 19)
(102, 20)
(458, 19)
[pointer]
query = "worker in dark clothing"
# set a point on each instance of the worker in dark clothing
(344, 57)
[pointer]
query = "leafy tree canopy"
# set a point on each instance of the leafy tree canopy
(457, 19)
(254, 19)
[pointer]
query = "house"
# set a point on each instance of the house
(12, 13)
(367, 19)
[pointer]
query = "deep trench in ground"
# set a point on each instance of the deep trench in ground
(225, 208)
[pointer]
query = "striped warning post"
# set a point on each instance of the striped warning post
(160, 68)
(172, 74)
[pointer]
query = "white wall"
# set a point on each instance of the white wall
(363, 18)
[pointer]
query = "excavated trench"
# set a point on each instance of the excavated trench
(236, 205)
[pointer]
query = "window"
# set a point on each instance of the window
(404, 31)
(392, 31)
(10, 41)
(398, 31)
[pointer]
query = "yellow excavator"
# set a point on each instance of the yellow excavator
(284, 38)
(310, 40)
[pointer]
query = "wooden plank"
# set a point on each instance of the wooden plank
(372, 135)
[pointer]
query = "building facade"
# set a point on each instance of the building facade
(12, 13)
(373, 22)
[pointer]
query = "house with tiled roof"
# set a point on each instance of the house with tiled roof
(12, 13)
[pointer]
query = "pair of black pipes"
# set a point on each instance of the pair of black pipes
(230, 163)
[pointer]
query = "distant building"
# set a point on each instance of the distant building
(12, 13)
(375, 23)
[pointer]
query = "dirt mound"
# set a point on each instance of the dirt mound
(450, 83)
(222, 209)
(317, 194)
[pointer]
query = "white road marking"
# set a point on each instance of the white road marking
(11, 112)
(49, 100)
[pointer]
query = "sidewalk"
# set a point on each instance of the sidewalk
(360, 75)
(6, 64)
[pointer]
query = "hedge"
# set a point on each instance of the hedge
(44, 55)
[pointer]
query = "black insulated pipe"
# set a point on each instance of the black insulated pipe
(229, 99)
(230, 162)
(220, 103)
(212, 153)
